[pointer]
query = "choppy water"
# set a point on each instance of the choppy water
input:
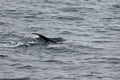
(91, 29)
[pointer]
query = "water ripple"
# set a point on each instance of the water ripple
(3, 56)
(90, 29)
(15, 79)
(69, 18)
(54, 61)
(116, 6)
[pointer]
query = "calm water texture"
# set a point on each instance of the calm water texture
(91, 29)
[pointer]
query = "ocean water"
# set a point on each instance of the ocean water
(91, 29)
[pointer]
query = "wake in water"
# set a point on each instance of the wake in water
(26, 42)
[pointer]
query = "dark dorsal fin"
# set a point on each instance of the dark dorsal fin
(45, 38)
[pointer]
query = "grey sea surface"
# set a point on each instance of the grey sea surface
(91, 29)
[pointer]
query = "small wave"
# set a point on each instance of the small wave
(85, 47)
(111, 60)
(25, 67)
(2, 23)
(13, 44)
(116, 6)
(60, 49)
(15, 79)
(2, 56)
(52, 2)
(69, 33)
(66, 32)
(54, 61)
(34, 29)
(10, 36)
(70, 18)
(83, 35)
(110, 18)
(114, 29)
(30, 16)
(8, 44)
(69, 9)
(98, 41)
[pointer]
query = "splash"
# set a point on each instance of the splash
(10, 44)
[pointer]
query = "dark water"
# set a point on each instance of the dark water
(91, 29)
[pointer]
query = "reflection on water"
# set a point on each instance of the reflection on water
(90, 28)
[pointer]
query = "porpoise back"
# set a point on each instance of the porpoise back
(46, 39)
